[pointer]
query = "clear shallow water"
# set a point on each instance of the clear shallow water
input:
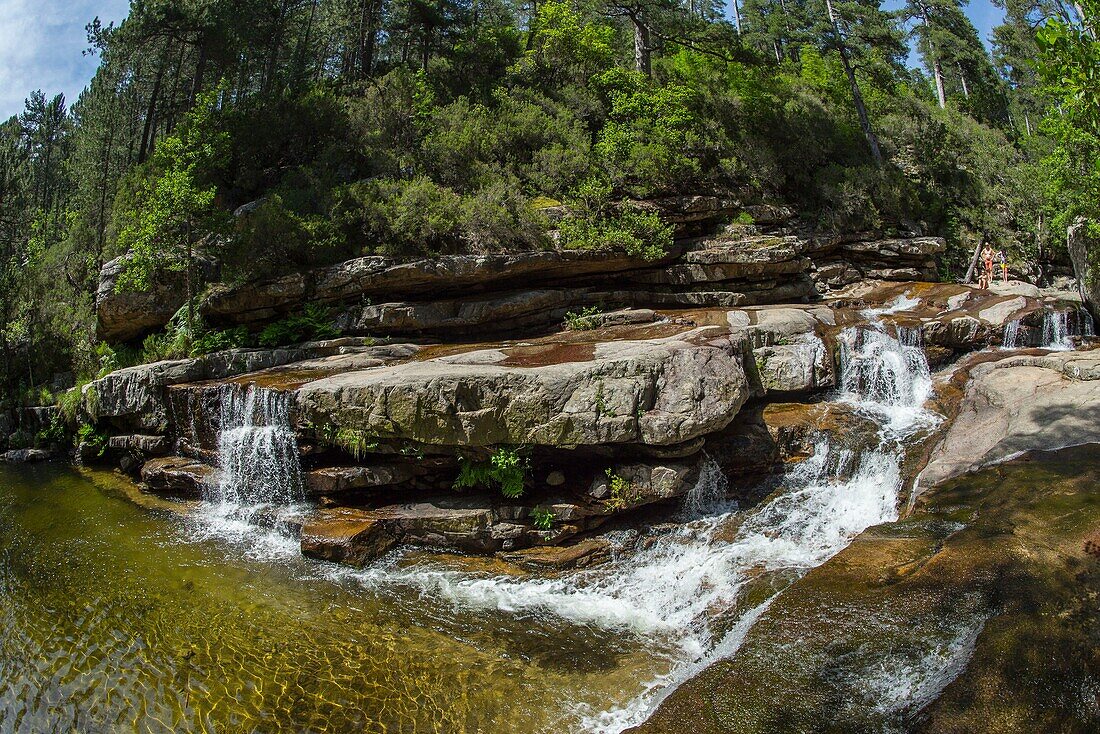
(116, 620)
(129, 621)
(123, 619)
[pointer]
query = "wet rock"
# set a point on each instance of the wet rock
(988, 582)
(136, 397)
(342, 535)
(178, 476)
(24, 456)
(555, 479)
(579, 555)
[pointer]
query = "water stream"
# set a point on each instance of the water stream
(245, 633)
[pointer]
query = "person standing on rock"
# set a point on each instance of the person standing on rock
(987, 267)
(1003, 262)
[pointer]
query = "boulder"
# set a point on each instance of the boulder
(1017, 404)
(658, 392)
(178, 476)
(1083, 248)
(24, 456)
(799, 367)
(343, 535)
(127, 315)
(633, 485)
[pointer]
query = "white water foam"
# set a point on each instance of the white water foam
(902, 303)
(257, 448)
(258, 492)
(682, 590)
(905, 685)
(1011, 339)
(1056, 331)
(884, 377)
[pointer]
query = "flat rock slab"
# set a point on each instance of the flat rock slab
(24, 456)
(348, 536)
(659, 392)
(1019, 404)
(579, 555)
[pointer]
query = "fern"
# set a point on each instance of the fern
(505, 469)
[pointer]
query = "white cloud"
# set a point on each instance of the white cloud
(40, 47)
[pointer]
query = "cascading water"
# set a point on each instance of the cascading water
(257, 448)
(1011, 338)
(1056, 331)
(259, 481)
(686, 590)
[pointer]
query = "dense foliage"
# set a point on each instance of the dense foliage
(275, 135)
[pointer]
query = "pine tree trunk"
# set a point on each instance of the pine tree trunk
(937, 72)
(857, 96)
(737, 16)
(641, 44)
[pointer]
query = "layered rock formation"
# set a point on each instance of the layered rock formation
(771, 262)
(602, 420)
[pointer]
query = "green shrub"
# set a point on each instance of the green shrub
(623, 493)
(54, 432)
(542, 518)
(313, 323)
(506, 470)
(87, 434)
(639, 234)
(585, 320)
(217, 341)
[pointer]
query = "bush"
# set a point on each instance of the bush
(585, 320)
(623, 492)
(87, 434)
(506, 469)
(217, 341)
(313, 323)
(542, 519)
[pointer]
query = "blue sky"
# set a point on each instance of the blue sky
(40, 47)
(41, 43)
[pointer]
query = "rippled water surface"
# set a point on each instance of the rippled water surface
(115, 620)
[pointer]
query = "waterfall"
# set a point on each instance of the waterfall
(685, 589)
(257, 447)
(1011, 338)
(1056, 331)
(883, 376)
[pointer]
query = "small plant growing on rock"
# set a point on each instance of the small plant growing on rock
(542, 518)
(623, 493)
(586, 320)
(505, 469)
(87, 434)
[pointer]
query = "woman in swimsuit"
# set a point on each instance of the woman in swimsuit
(987, 261)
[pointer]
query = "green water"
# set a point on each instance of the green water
(118, 619)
